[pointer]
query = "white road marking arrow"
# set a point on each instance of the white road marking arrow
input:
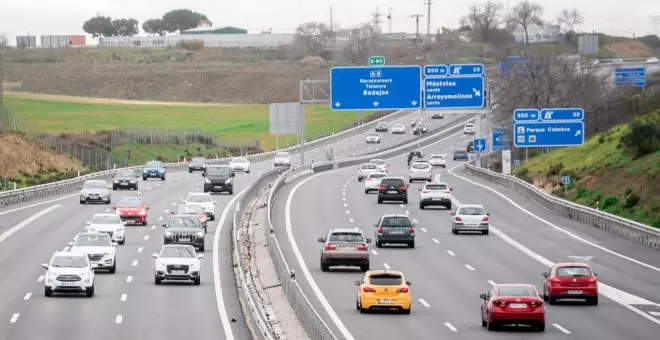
(476, 92)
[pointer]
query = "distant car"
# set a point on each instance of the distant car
(383, 290)
(154, 169)
(412, 155)
(469, 129)
(398, 129)
(470, 217)
(110, 224)
(373, 139)
(570, 281)
(125, 179)
(437, 115)
(240, 164)
(438, 160)
(372, 182)
(617, 61)
(344, 247)
(69, 272)
(282, 159)
(380, 163)
(512, 304)
(193, 210)
(219, 178)
(177, 262)
(197, 164)
(420, 171)
(435, 194)
(594, 62)
(184, 230)
(203, 199)
(95, 190)
(470, 146)
(420, 129)
(100, 250)
(365, 169)
(381, 127)
(393, 189)
(652, 60)
(460, 155)
(132, 210)
(395, 229)
(416, 121)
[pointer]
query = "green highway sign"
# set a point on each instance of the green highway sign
(376, 61)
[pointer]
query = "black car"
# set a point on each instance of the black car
(381, 127)
(414, 155)
(395, 229)
(125, 179)
(437, 115)
(184, 230)
(461, 155)
(470, 146)
(420, 129)
(219, 178)
(197, 164)
(393, 189)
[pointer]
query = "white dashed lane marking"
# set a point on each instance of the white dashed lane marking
(345, 205)
(343, 198)
(424, 230)
(469, 267)
(351, 220)
(451, 327)
(40, 278)
(562, 329)
(119, 319)
(424, 303)
(387, 266)
(173, 204)
(27, 296)
(160, 218)
(374, 252)
(135, 263)
(14, 318)
(655, 314)
(129, 279)
(123, 297)
(153, 227)
(436, 241)
(347, 212)
(491, 282)
(451, 253)
(140, 249)
(146, 237)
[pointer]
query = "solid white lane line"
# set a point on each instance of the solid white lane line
(559, 327)
(436, 241)
(469, 267)
(14, 318)
(387, 266)
(451, 253)
(655, 313)
(424, 230)
(140, 249)
(129, 279)
(146, 237)
(343, 189)
(123, 297)
(135, 263)
(351, 220)
(343, 193)
(118, 319)
(451, 327)
(343, 198)
(27, 296)
(491, 282)
(374, 252)
(40, 278)
(424, 303)
(29, 220)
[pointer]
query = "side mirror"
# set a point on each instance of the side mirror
(80, 187)
(487, 214)
(375, 225)
(215, 202)
(367, 240)
(451, 189)
(203, 174)
(321, 239)
(70, 244)
(164, 225)
(154, 255)
(357, 283)
(114, 244)
(147, 208)
(87, 222)
(483, 296)
(452, 213)
(172, 213)
(595, 274)
(407, 185)
(409, 283)
(545, 274)
(114, 207)
(541, 296)
(44, 265)
(200, 256)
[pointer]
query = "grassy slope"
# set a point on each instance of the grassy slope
(603, 175)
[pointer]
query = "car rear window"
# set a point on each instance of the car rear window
(436, 187)
(401, 221)
(392, 181)
(469, 125)
(346, 237)
(368, 166)
(438, 156)
(471, 211)
(420, 165)
(517, 291)
(385, 280)
(459, 151)
(377, 176)
(573, 271)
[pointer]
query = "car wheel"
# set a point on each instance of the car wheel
(448, 206)
(122, 241)
(405, 201)
(201, 249)
(593, 301)
(114, 188)
(380, 201)
(366, 191)
(231, 192)
(157, 280)
(144, 223)
(406, 311)
(444, 167)
(545, 295)
(411, 244)
(454, 231)
(379, 244)
(485, 232)
(490, 326)
(90, 292)
(324, 266)
(113, 269)
(135, 187)
(552, 300)
(247, 172)
(421, 206)
(197, 281)
(212, 217)
(162, 178)
(48, 291)
(363, 310)
(189, 171)
(205, 230)
(483, 322)
(82, 202)
(107, 202)
(357, 305)
(540, 327)
(144, 178)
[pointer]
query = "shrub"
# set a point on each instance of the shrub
(610, 201)
(643, 136)
(190, 45)
(555, 169)
(631, 201)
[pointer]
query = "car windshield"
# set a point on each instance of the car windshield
(183, 222)
(178, 252)
(469, 125)
(423, 125)
(369, 166)
(517, 291)
(438, 156)
(282, 155)
(396, 222)
(68, 261)
(573, 271)
(377, 175)
(385, 280)
(346, 237)
(199, 198)
(95, 185)
(392, 181)
(460, 152)
(436, 187)
(471, 211)
(218, 171)
(377, 161)
(420, 165)
(93, 240)
(373, 135)
(130, 204)
(125, 173)
(399, 126)
(154, 165)
(198, 160)
(106, 219)
(189, 209)
(239, 160)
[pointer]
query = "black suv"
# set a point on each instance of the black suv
(414, 155)
(219, 178)
(184, 230)
(470, 146)
(393, 189)
(381, 127)
(460, 154)
(125, 179)
(421, 128)
(197, 164)
(395, 229)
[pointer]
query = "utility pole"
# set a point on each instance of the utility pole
(389, 19)
(2, 78)
(376, 19)
(656, 24)
(428, 21)
(417, 16)
(331, 23)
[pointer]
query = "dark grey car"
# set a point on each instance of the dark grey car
(395, 229)
(184, 230)
(125, 179)
(197, 164)
(460, 155)
(95, 191)
(344, 247)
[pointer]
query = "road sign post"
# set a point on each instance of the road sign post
(497, 142)
(630, 77)
(454, 86)
(479, 145)
(565, 180)
(548, 127)
(376, 61)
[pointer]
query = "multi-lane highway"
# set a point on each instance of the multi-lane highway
(449, 272)
(127, 304)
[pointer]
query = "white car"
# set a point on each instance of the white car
(381, 164)
(652, 60)
(372, 182)
(420, 170)
(69, 272)
(177, 262)
(435, 194)
(470, 217)
(438, 160)
(365, 169)
(374, 138)
(110, 224)
(203, 199)
(282, 159)
(617, 61)
(398, 129)
(469, 129)
(240, 164)
(100, 250)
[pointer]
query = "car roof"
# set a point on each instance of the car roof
(183, 216)
(470, 206)
(70, 253)
(374, 164)
(174, 245)
(462, 151)
(377, 173)
(131, 198)
(91, 233)
(395, 215)
(514, 285)
(572, 264)
(218, 166)
(383, 271)
(104, 215)
(198, 194)
(395, 177)
(346, 230)
(437, 155)
(436, 183)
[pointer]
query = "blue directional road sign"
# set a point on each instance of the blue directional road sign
(548, 134)
(479, 144)
(436, 70)
(497, 143)
(526, 115)
(632, 76)
(549, 115)
(516, 163)
(565, 179)
(466, 70)
(375, 88)
(451, 93)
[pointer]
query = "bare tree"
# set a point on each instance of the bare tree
(484, 19)
(363, 42)
(525, 15)
(312, 38)
(569, 18)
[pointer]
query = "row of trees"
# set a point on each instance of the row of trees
(172, 21)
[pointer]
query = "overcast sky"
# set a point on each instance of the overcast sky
(62, 17)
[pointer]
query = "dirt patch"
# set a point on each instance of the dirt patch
(630, 49)
(22, 155)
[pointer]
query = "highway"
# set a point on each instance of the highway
(449, 272)
(128, 304)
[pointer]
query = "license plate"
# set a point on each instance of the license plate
(217, 186)
(68, 284)
(385, 302)
(574, 292)
(392, 192)
(473, 225)
(346, 246)
(396, 232)
(436, 199)
(518, 305)
(184, 239)
(178, 272)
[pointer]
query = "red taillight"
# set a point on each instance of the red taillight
(458, 218)
(554, 281)
(402, 290)
(368, 290)
(485, 219)
(412, 230)
(380, 229)
(403, 188)
(536, 304)
(362, 247)
(426, 191)
(330, 247)
(499, 303)
(369, 179)
(382, 187)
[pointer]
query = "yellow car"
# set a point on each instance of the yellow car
(383, 290)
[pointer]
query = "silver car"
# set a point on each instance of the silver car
(364, 170)
(95, 190)
(398, 129)
(380, 163)
(344, 247)
(373, 139)
(470, 217)
(282, 159)
(420, 171)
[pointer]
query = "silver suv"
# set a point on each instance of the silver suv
(345, 247)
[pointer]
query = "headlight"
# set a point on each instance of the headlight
(228, 181)
(161, 170)
(194, 266)
(161, 267)
(200, 234)
(86, 275)
(118, 230)
(51, 276)
(132, 181)
(168, 234)
(116, 181)
(207, 181)
(142, 212)
(106, 254)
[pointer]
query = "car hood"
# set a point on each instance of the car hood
(218, 178)
(93, 249)
(176, 260)
(207, 206)
(129, 210)
(152, 169)
(184, 230)
(95, 191)
(105, 227)
(282, 160)
(239, 165)
(68, 270)
(197, 164)
(124, 178)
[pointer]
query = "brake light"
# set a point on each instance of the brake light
(380, 229)
(499, 303)
(485, 219)
(554, 281)
(412, 230)
(382, 187)
(368, 290)
(143, 212)
(458, 218)
(402, 290)
(362, 247)
(369, 179)
(330, 247)
(426, 191)
(403, 188)
(536, 304)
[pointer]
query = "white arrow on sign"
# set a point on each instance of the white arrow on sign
(583, 258)
(414, 102)
(476, 92)
(577, 133)
(376, 103)
(457, 69)
(337, 104)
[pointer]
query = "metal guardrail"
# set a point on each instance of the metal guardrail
(611, 223)
(69, 185)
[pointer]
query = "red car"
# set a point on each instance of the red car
(193, 210)
(512, 304)
(570, 281)
(133, 210)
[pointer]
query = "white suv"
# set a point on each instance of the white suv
(69, 272)
(438, 193)
(372, 182)
(420, 170)
(438, 160)
(469, 129)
